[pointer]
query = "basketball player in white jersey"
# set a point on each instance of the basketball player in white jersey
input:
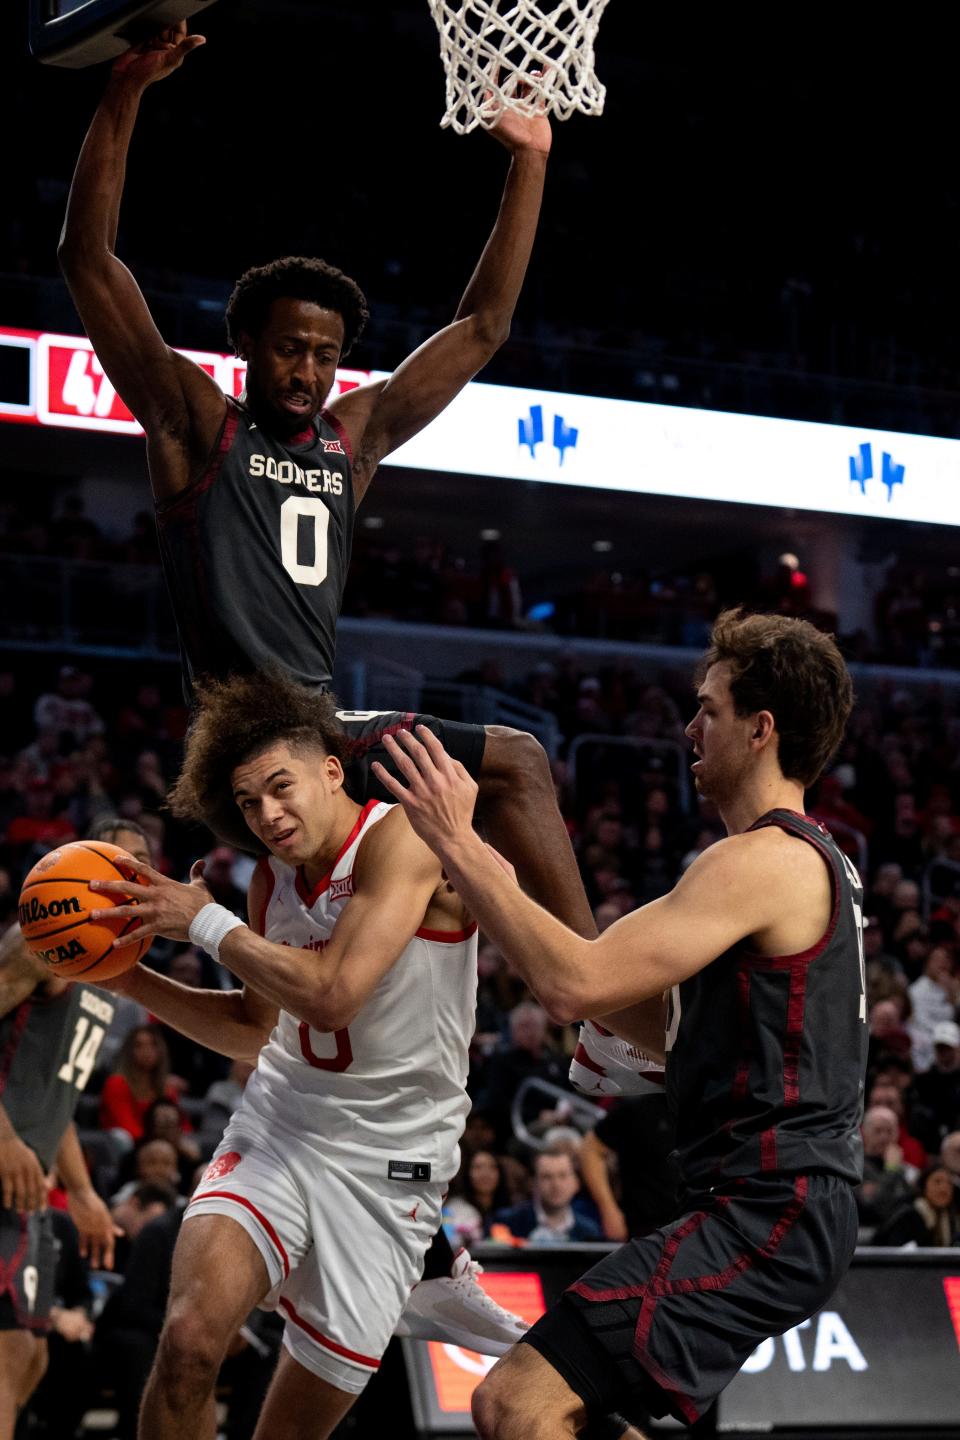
(359, 982)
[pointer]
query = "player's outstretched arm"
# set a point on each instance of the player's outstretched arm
(180, 407)
(381, 418)
(725, 896)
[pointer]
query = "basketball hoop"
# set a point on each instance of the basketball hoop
(543, 52)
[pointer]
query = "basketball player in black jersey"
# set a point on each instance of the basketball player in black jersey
(749, 978)
(50, 1036)
(255, 501)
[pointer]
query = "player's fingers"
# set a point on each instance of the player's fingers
(197, 869)
(109, 1246)
(8, 1191)
(119, 887)
(117, 912)
(461, 771)
(133, 937)
(435, 749)
(388, 781)
(403, 758)
(138, 868)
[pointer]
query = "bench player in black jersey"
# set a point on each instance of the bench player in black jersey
(255, 501)
(50, 1036)
(749, 979)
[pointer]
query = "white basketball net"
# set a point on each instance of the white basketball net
(519, 55)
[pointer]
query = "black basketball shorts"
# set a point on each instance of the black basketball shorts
(28, 1262)
(366, 729)
(662, 1325)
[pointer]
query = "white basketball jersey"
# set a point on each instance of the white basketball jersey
(394, 1082)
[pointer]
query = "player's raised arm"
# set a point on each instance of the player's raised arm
(180, 407)
(381, 418)
(736, 888)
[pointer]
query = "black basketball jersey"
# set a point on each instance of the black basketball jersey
(256, 552)
(767, 1054)
(48, 1051)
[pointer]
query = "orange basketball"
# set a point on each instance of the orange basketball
(55, 905)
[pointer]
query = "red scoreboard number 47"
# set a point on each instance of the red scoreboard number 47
(73, 391)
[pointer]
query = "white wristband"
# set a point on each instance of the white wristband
(209, 926)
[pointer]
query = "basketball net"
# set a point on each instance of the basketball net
(517, 55)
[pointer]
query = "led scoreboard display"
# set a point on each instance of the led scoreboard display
(57, 380)
(75, 33)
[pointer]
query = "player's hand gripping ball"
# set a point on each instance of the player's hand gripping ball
(55, 905)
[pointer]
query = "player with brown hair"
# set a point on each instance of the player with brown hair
(748, 979)
(358, 1005)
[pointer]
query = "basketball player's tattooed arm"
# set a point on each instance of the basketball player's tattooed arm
(22, 1181)
(179, 406)
(380, 418)
(395, 878)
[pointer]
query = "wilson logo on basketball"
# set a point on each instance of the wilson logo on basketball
(218, 1168)
(34, 910)
(340, 888)
(59, 953)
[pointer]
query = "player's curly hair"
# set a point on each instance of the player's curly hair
(795, 671)
(295, 277)
(236, 720)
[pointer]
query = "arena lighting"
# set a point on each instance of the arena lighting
(76, 33)
(513, 433)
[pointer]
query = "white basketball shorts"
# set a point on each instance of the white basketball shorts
(343, 1250)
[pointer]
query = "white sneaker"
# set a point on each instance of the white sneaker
(455, 1310)
(603, 1064)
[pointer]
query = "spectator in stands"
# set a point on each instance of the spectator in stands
(153, 1162)
(194, 1064)
(885, 881)
(935, 997)
(219, 1103)
(484, 1185)
(40, 828)
(886, 1181)
(929, 1220)
(549, 1218)
(67, 711)
(165, 1121)
(938, 1089)
(887, 1093)
(479, 1192)
(950, 1156)
(141, 1077)
(888, 1035)
(146, 1200)
(528, 1057)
